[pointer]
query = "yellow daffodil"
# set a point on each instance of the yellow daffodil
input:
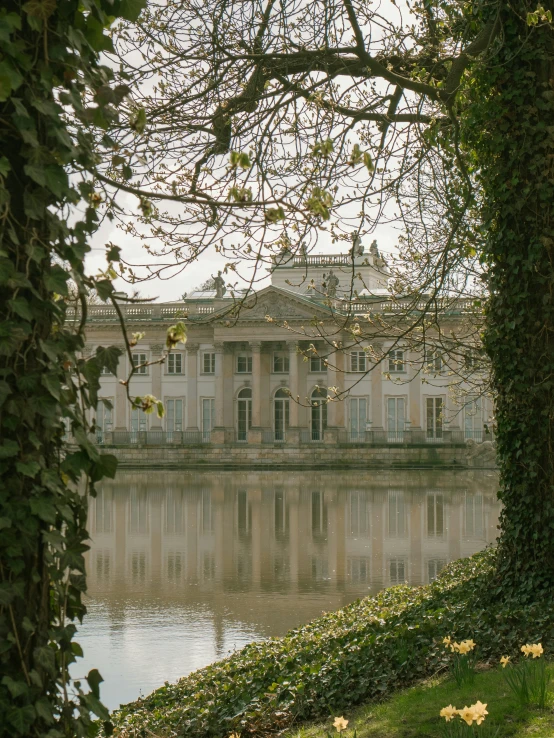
(448, 713)
(455, 646)
(470, 643)
(467, 714)
(447, 641)
(340, 724)
(526, 649)
(537, 650)
(505, 660)
(463, 647)
(479, 711)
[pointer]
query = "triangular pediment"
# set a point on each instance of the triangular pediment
(280, 305)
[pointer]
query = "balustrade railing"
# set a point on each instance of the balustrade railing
(380, 437)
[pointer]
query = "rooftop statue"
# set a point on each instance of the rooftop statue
(219, 284)
(378, 260)
(357, 244)
(332, 284)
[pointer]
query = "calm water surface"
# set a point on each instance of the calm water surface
(185, 567)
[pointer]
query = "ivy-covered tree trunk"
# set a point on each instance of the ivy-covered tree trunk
(511, 129)
(49, 59)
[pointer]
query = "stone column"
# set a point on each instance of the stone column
(377, 397)
(192, 386)
(156, 351)
(293, 383)
(120, 420)
(255, 432)
(218, 432)
(414, 394)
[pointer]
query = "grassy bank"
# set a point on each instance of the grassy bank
(414, 712)
(362, 652)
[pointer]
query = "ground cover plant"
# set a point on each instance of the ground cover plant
(415, 712)
(362, 652)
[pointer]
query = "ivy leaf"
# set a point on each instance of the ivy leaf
(10, 80)
(5, 390)
(4, 166)
(16, 689)
(44, 710)
(21, 718)
(130, 9)
(21, 307)
(104, 288)
(8, 449)
(28, 468)
(108, 357)
(56, 280)
(106, 466)
(45, 510)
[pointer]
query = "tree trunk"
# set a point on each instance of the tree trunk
(511, 128)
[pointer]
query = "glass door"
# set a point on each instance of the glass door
(174, 418)
(358, 418)
(434, 407)
(208, 417)
(244, 413)
(319, 413)
(396, 419)
(281, 414)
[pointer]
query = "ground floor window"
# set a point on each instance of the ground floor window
(208, 417)
(244, 413)
(104, 418)
(358, 418)
(396, 418)
(174, 416)
(319, 413)
(138, 422)
(473, 419)
(434, 420)
(281, 412)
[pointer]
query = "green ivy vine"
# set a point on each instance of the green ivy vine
(508, 126)
(54, 97)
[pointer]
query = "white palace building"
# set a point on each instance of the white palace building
(250, 377)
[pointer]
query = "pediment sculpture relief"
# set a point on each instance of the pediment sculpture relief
(275, 307)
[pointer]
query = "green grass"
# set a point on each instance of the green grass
(414, 712)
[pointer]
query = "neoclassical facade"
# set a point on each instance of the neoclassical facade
(250, 376)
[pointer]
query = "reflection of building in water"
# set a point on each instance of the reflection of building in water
(179, 536)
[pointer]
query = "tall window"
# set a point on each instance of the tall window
(280, 362)
(358, 361)
(473, 419)
(396, 362)
(208, 416)
(396, 418)
(244, 364)
(208, 362)
(317, 364)
(174, 415)
(358, 418)
(433, 360)
(357, 568)
(319, 413)
(175, 363)
(244, 413)
(281, 413)
(433, 408)
(359, 514)
(104, 419)
(139, 360)
(138, 420)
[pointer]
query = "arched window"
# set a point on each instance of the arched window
(281, 413)
(244, 413)
(319, 413)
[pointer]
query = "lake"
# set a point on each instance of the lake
(185, 567)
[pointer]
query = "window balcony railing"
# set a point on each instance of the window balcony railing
(152, 438)
(311, 435)
(272, 436)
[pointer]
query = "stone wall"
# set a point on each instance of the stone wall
(253, 456)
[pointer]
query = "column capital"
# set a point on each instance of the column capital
(256, 346)
(192, 348)
(292, 346)
(219, 346)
